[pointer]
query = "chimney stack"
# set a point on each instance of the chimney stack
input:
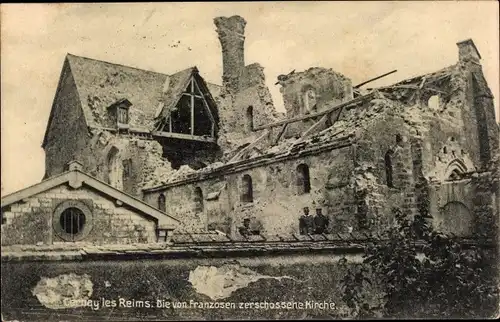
(231, 33)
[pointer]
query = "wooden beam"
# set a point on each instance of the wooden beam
(315, 126)
(432, 89)
(417, 92)
(374, 79)
(250, 146)
(305, 117)
(258, 150)
(280, 134)
(399, 86)
(192, 106)
(422, 83)
(184, 136)
(188, 94)
(205, 101)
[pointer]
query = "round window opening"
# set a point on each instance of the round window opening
(72, 220)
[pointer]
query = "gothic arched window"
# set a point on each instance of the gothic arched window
(198, 199)
(162, 202)
(115, 169)
(249, 120)
(246, 189)
(303, 180)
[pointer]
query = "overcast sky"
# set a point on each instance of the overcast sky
(359, 39)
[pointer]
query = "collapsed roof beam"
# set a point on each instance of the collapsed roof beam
(314, 128)
(309, 116)
(432, 89)
(374, 79)
(182, 136)
(250, 147)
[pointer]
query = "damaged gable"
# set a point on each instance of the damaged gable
(424, 86)
(100, 84)
(187, 106)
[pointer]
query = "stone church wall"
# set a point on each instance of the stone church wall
(277, 205)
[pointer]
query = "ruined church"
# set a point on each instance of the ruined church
(169, 189)
(135, 156)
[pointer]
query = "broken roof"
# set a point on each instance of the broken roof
(340, 134)
(100, 84)
(352, 121)
(174, 87)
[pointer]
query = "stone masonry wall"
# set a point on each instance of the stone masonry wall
(312, 91)
(142, 156)
(276, 203)
(31, 221)
(386, 135)
(245, 98)
(40, 288)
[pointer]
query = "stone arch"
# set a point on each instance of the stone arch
(162, 202)
(455, 169)
(114, 168)
(454, 218)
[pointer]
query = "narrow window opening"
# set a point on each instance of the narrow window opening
(198, 199)
(127, 169)
(249, 123)
(162, 203)
(246, 189)
(115, 169)
(388, 169)
(303, 180)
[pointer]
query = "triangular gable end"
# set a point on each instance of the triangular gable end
(75, 178)
(194, 111)
(65, 69)
(67, 81)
